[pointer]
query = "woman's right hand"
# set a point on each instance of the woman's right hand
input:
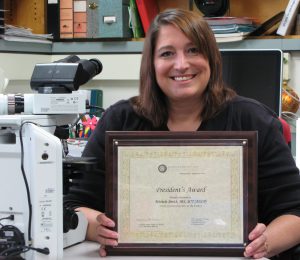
(106, 236)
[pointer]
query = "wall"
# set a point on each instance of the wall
(294, 71)
(118, 79)
(261, 10)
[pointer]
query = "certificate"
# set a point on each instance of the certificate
(181, 193)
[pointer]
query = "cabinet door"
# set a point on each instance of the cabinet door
(26, 13)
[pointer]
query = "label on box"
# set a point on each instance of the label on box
(79, 6)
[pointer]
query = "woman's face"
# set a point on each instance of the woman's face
(181, 70)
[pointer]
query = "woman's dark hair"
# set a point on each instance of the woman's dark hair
(152, 103)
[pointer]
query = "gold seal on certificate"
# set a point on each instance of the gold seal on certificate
(181, 193)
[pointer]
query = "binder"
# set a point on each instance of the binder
(268, 26)
(53, 18)
(136, 24)
(288, 20)
(148, 9)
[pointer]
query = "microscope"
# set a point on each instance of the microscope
(32, 216)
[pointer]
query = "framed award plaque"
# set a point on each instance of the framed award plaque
(181, 193)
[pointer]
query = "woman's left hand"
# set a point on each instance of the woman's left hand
(258, 247)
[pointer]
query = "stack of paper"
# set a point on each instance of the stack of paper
(231, 37)
(13, 33)
(227, 29)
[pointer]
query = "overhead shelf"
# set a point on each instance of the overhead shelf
(284, 44)
(25, 47)
(128, 47)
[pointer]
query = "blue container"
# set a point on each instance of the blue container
(114, 19)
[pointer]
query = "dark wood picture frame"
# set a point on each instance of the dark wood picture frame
(247, 140)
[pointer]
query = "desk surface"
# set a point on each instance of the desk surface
(89, 250)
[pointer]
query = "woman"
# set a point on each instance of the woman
(181, 89)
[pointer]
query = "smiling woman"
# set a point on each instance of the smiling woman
(181, 71)
(182, 89)
(165, 56)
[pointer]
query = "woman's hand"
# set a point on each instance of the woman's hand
(105, 236)
(258, 246)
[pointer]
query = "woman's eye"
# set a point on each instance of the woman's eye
(193, 50)
(166, 54)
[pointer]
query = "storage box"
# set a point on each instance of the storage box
(114, 19)
(93, 18)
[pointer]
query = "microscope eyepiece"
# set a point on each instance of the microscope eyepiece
(65, 75)
(90, 68)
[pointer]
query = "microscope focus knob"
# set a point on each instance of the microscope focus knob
(70, 219)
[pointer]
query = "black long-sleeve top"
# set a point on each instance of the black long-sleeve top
(278, 176)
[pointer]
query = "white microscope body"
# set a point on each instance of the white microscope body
(31, 161)
(43, 170)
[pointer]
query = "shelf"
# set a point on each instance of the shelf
(119, 47)
(106, 47)
(134, 47)
(25, 47)
(284, 44)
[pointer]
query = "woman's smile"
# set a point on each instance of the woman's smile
(183, 77)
